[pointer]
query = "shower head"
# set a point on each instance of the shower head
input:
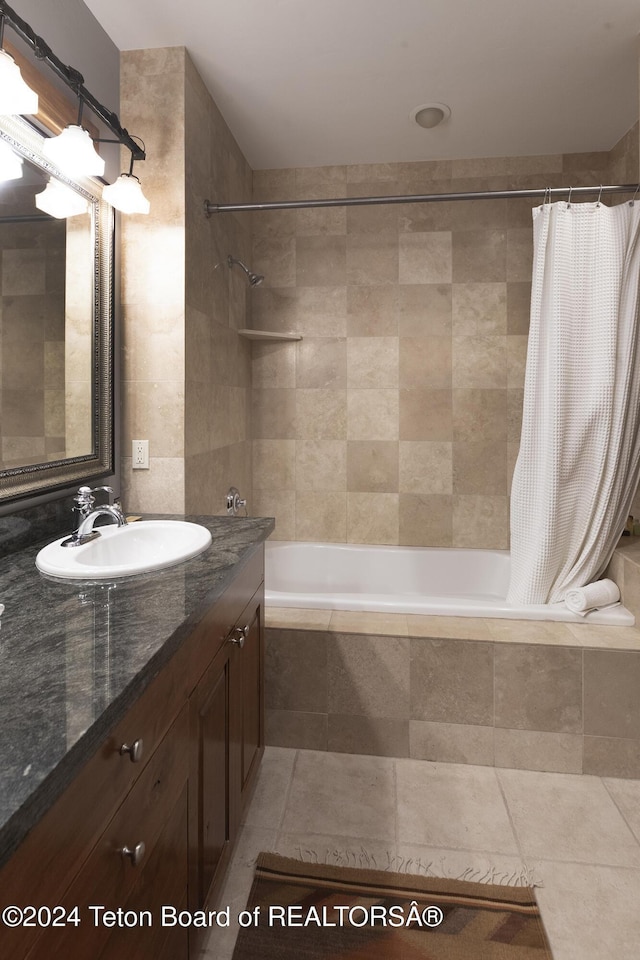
(254, 278)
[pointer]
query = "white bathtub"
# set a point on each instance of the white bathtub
(424, 580)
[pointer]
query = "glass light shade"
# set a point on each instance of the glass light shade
(60, 201)
(429, 115)
(16, 97)
(73, 152)
(10, 163)
(126, 195)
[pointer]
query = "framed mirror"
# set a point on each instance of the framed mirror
(56, 327)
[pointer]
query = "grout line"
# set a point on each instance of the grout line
(586, 863)
(508, 810)
(620, 811)
(396, 832)
(583, 711)
(493, 710)
(287, 795)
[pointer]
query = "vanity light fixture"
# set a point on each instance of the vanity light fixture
(10, 163)
(126, 193)
(16, 96)
(73, 151)
(60, 201)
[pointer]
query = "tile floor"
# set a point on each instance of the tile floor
(578, 836)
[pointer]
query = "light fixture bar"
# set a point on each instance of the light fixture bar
(71, 77)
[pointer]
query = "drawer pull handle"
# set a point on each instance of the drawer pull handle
(134, 855)
(239, 635)
(134, 750)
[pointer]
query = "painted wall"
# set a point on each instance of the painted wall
(76, 37)
(397, 418)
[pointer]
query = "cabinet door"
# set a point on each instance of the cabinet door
(210, 826)
(251, 667)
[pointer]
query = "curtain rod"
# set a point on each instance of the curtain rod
(546, 193)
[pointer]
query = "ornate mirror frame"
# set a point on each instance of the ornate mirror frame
(20, 482)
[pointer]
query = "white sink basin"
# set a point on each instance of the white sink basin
(140, 547)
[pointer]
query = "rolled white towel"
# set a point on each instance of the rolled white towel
(594, 595)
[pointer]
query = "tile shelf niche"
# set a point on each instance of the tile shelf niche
(267, 335)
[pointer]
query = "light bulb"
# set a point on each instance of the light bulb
(16, 97)
(10, 163)
(126, 195)
(73, 153)
(60, 201)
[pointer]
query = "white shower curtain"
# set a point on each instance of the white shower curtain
(579, 461)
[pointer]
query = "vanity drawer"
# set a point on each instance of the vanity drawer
(164, 881)
(214, 629)
(54, 851)
(154, 814)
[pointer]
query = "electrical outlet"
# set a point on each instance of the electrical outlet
(140, 454)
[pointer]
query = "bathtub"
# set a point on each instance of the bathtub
(422, 580)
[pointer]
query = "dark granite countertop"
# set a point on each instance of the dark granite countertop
(75, 656)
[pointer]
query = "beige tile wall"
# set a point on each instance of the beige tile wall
(217, 360)
(78, 338)
(32, 315)
(185, 370)
(397, 418)
(505, 702)
(152, 104)
(624, 569)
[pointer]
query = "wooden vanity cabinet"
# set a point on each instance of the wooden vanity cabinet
(153, 814)
(250, 696)
(183, 797)
(227, 737)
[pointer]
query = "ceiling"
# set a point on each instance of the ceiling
(315, 82)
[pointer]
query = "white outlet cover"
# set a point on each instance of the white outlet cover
(140, 454)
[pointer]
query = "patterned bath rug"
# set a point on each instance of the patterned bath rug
(310, 911)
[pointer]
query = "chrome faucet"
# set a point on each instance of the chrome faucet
(113, 510)
(87, 515)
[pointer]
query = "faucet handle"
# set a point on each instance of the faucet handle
(108, 490)
(234, 502)
(84, 499)
(84, 493)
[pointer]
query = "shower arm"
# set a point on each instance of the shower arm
(233, 261)
(543, 193)
(255, 279)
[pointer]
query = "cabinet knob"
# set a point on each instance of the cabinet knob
(239, 635)
(134, 855)
(134, 750)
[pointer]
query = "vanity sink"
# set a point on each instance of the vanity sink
(138, 547)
